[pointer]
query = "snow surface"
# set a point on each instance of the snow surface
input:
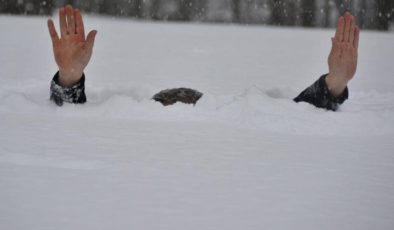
(245, 157)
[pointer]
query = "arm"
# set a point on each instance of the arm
(319, 95)
(74, 94)
(72, 53)
(331, 89)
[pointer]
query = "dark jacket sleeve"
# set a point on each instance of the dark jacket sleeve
(74, 94)
(319, 95)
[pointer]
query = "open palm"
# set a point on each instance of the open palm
(342, 60)
(72, 50)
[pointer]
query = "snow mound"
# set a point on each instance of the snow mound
(271, 110)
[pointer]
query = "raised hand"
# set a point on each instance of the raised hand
(342, 60)
(73, 50)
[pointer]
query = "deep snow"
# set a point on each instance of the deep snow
(245, 157)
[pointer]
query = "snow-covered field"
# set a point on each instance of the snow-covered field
(245, 157)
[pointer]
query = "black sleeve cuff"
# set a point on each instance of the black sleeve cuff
(319, 95)
(75, 94)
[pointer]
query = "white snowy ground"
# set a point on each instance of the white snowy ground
(245, 157)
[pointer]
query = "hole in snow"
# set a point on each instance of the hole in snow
(281, 93)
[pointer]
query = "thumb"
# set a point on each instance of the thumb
(332, 46)
(52, 31)
(90, 40)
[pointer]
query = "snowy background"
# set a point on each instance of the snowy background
(371, 15)
(245, 157)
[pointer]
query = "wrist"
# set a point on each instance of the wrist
(336, 85)
(69, 78)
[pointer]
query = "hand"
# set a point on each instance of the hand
(342, 60)
(72, 51)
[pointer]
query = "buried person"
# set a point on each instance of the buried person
(73, 50)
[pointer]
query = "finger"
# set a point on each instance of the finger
(356, 37)
(90, 40)
(79, 23)
(335, 50)
(340, 28)
(352, 30)
(343, 47)
(70, 19)
(348, 21)
(62, 22)
(52, 32)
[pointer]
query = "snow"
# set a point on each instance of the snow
(245, 157)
